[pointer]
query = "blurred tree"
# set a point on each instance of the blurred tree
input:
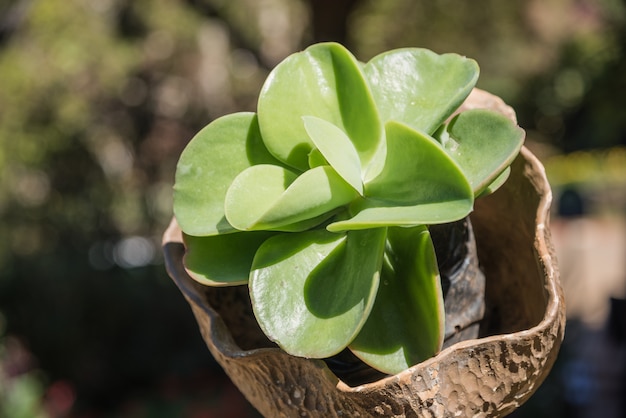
(573, 105)
(329, 19)
(97, 100)
(11, 16)
(558, 62)
(597, 118)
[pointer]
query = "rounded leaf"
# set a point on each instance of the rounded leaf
(406, 324)
(208, 165)
(483, 143)
(337, 150)
(377, 214)
(270, 197)
(495, 185)
(222, 260)
(312, 291)
(419, 87)
(420, 184)
(324, 81)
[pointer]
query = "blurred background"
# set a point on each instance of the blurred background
(99, 97)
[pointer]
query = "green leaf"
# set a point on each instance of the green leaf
(420, 184)
(337, 149)
(207, 166)
(483, 143)
(222, 260)
(406, 324)
(377, 214)
(312, 291)
(419, 87)
(269, 197)
(324, 81)
(497, 183)
(316, 158)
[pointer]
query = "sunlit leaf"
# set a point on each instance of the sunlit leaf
(324, 81)
(306, 224)
(483, 143)
(222, 260)
(207, 166)
(312, 291)
(419, 87)
(406, 324)
(337, 149)
(497, 183)
(316, 158)
(268, 196)
(376, 214)
(420, 184)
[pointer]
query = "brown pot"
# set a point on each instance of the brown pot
(488, 376)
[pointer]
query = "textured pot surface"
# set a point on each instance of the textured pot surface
(488, 376)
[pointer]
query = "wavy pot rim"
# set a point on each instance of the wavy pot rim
(488, 376)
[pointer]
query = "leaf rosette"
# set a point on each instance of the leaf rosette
(320, 200)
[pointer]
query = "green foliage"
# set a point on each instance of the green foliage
(409, 269)
(88, 146)
(321, 202)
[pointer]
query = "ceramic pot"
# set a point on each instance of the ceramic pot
(487, 376)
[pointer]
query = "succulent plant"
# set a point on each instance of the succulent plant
(320, 201)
